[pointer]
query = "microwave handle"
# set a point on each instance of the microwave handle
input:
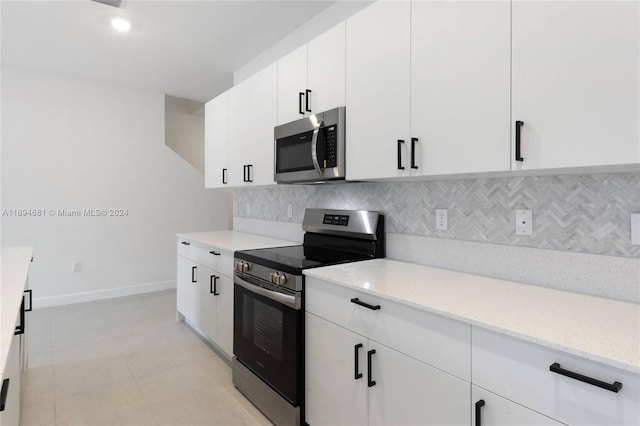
(314, 149)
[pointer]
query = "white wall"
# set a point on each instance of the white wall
(69, 144)
(184, 129)
(325, 20)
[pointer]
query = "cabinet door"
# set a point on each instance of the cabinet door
(333, 395)
(215, 142)
(326, 70)
(409, 392)
(292, 80)
(187, 291)
(497, 411)
(10, 416)
(460, 94)
(224, 314)
(575, 82)
(252, 117)
(377, 90)
(206, 321)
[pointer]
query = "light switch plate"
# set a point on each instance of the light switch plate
(524, 222)
(635, 229)
(289, 210)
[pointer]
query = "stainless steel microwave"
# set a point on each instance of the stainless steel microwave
(311, 149)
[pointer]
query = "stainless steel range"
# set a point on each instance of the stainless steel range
(268, 366)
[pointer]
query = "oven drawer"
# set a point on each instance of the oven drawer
(520, 371)
(208, 256)
(432, 339)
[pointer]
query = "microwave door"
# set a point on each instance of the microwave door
(314, 149)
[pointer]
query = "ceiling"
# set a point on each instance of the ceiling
(183, 48)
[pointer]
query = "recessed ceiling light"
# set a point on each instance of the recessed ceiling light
(121, 24)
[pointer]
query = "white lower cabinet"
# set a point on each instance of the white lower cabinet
(205, 295)
(492, 410)
(333, 394)
(353, 379)
(10, 415)
(567, 388)
(410, 392)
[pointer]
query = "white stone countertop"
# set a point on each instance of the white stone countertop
(233, 240)
(602, 330)
(15, 269)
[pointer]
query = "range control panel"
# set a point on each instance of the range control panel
(332, 219)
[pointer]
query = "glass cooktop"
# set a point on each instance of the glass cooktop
(293, 259)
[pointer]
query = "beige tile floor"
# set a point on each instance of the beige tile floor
(126, 361)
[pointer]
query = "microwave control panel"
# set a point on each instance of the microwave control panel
(331, 147)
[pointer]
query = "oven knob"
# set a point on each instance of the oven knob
(246, 266)
(239, 266)
(282, 279)
(272, 277)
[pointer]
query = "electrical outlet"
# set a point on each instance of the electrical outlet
(441, 220)
(76, 266)
(289, 210)
(635, 229)
(524, 222)
(248, 208)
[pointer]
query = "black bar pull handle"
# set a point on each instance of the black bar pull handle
(224, 176)
(479, 406)
(370, 381)
(193, 274)
(613, 387)
(366, 305)
(249, 167)
(413, 153)
(300, 96)
(357, 374)
(244, 173)
(519, 124)
(400, 166)
(215, 253)
(20, 328)
(307, 100)
(30, 300)
(185, 243)
(213, 285)
(3, 394)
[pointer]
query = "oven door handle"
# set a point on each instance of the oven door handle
(285, 299)
(314, 149)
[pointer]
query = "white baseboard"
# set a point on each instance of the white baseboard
(109, 293)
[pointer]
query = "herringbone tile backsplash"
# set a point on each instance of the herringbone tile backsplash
(580, 213)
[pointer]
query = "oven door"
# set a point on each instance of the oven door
(267, 336)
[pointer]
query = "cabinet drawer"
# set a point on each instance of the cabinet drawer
(519, 371)
(432, 339)
(202, 254)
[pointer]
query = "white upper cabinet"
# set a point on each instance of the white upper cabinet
(216, 139)
(460, 94)
(292, 86)
(378, 91)
(326, 69)
(311, 78)
(252, 117)
(575, 83)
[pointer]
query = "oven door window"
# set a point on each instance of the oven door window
(293, 153)
(268, 340)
